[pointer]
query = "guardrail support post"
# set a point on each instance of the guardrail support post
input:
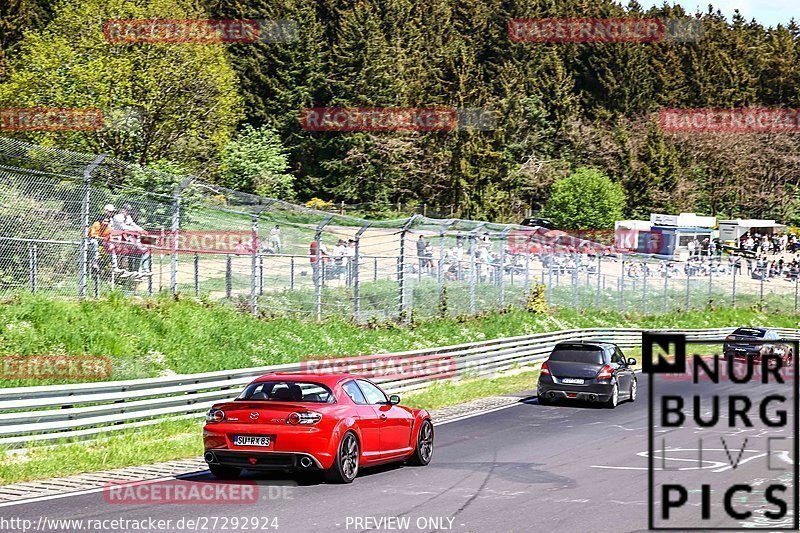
(83, 272)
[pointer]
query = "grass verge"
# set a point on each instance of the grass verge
(161, 336)
(180, 439)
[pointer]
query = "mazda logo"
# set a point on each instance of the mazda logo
(253, 416)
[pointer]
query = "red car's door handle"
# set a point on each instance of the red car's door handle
(383, 417)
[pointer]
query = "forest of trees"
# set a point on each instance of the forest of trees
(560, 107)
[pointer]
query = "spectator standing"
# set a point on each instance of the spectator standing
(275, 239)
(421, 253)
(100, 233)
(123, 224)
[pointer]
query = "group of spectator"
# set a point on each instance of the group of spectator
(129, 255)
(764, 244)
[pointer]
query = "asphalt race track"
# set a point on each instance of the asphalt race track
(571, 468)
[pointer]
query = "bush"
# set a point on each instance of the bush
(586, 199)
(537, 300)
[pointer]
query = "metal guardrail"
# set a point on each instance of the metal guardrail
(89, 410)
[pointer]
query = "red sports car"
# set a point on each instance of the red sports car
(334, 423)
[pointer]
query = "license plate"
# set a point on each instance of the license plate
(251, 440)
(572, 381)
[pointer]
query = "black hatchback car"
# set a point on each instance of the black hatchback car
(587, 370)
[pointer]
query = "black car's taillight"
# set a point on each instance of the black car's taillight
(606, 372)
(545, 370)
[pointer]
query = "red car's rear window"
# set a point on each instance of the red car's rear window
(287, 391)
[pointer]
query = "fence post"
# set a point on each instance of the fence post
(83, 273)
(527, 279)
(32, 266)
(472, 241)
(260, 274)
(550, 282)
(401, 267)
(733, 293)
(176, 225)
(319, 269)
(710, 280)
(356, 278)
(96, 275)
(688, 286)
(501, 281)
(622, 287)
(597, 294)
(196, 275)
(440, 270)
(575, 280)
(254, 267)
(228, 277)
(666, 287)
(795, 294)
(646, 270)
(761, 290)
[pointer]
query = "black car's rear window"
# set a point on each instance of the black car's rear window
(577, 354)
(750, 332)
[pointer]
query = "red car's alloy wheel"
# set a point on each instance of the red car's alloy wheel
(348, 457)
(426, 442)
(424, 449)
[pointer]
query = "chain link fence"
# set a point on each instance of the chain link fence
(178, 234)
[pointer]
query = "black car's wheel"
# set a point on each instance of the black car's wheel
(613, 401)
(789, 359)
(634, 389)
(345, 466)
(424, 451)
(224, 472)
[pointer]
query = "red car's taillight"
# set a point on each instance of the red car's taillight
(304, 419)
(606, 372)
(215, 415)
(545, 370)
